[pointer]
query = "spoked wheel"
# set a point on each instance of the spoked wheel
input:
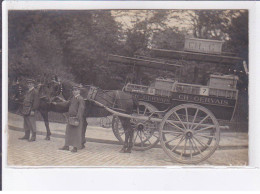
(117, 128)
(189, 133)
(146, 133)
(105, 122)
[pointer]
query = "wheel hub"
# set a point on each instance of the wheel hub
(189, 134)
(140, 126)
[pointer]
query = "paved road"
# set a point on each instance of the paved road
(102, 149)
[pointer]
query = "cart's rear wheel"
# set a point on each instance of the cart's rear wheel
(117, 129)
(146, 133)
(189, 133)
(105, 122)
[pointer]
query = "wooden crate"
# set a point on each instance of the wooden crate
(231, 94)
(164, 84)
(136, 88)
(223, 81)
(189, 88)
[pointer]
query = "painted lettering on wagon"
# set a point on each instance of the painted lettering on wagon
(201, 99)
(152, 98)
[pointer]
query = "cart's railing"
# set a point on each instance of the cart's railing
(211, 91)
(184, 88)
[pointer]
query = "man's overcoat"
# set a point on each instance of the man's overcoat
(30, 103)
(73, 136)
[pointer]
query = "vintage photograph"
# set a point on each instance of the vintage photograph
(128, 88)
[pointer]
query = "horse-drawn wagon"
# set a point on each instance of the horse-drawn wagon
(183, 117)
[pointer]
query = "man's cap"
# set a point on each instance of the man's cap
(77, 87)
(54, 78)
(30, 81)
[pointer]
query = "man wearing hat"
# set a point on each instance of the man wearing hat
(30, 105)
(74, 128)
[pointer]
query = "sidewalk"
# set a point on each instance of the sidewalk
(102, 150)
(15, 122)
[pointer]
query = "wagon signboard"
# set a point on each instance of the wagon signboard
(203, 99)
(152, 98)
(203, 46)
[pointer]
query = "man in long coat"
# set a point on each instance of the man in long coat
(30, 105)
(73, 136)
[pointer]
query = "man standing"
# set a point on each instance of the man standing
(74, 129)
(30, 105)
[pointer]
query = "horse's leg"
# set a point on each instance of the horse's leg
(84, 128)
(46, 122)
(131, 135)
(124, 125)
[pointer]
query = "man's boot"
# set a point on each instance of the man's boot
(33, 138)
(129, 148)
(82, 146)
(74, 149)
(26, 136)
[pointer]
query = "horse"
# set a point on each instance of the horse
(114, 99)
(46, 96)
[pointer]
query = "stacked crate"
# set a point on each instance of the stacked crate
(223, 86)
(231, 94)
(223, 81)
(164, 87)
(188, 88)
(136, 88)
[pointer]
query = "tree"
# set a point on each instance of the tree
(228, 25)
(168, 38)
(210, 24)
(67, 43)
(144, 24)
(238, 34)
(34, 51)
(87, 39)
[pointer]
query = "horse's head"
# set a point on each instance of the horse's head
(55, 88)
(43, 92)
(60, 91)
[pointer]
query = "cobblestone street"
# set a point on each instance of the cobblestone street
(233, 149)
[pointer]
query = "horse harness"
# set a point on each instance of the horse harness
(93, 93)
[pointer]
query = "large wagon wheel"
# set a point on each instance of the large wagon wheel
(117, 129)
(105, 122)
(189, 133)
(146, 133)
